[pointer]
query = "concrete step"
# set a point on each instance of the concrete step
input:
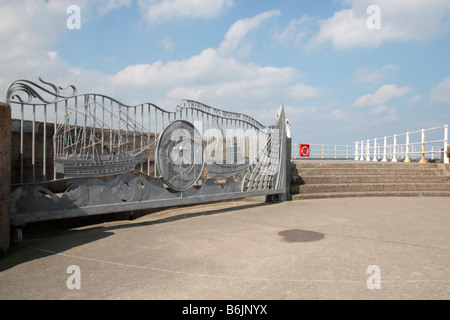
(394, 178)
(324, 179)
(324, 195)
(327, 171)
(362, 164)
(362, 187)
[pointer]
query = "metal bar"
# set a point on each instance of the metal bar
(394, 151)
(103, 125)
(84, 124)
(33, 145)
(21, 142)
(142, 136)
(143, 205)
(54, 133)
(134, 130)
(111, 130)
(446, 158)
(155, 152)
(44, 151)
(407, 148)
(148, 139)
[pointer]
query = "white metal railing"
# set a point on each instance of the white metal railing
(325, 151)
(419, 145)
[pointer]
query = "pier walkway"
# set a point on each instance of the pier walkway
(339, 248)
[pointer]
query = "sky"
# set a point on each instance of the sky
(345, 70)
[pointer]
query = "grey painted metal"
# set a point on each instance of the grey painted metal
(179, 155)
(118, 157)
(61, 213)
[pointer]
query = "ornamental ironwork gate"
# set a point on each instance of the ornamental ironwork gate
(89, 154)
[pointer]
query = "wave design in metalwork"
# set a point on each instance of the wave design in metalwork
(25, 91)
(191, 104)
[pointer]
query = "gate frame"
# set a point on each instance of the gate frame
(280, 193)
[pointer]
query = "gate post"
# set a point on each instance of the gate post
(5, 176)
(288, 168)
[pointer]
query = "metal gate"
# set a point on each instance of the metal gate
(88, 154)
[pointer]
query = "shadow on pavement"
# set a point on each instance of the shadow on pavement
(58, 237)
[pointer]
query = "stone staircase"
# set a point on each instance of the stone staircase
(334, 179)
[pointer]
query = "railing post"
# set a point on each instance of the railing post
(407, 148)
(394, 158)
(362, 151)
(375, 150)
(5, 177)
(356, 150)
(384, 150)
(368, 150)
(423, 148)
(446, 160)
(288, 169)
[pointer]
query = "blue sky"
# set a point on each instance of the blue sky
(339, 80)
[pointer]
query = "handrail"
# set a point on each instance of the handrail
(370, 150)
(325, 151)
(398, 147)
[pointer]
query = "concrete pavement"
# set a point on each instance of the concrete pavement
(349, 248)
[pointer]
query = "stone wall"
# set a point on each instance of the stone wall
(27, 151)
(5, 176)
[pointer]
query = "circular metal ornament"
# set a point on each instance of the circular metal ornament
(179, 155)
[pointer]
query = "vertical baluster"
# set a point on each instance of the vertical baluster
(375, 150)
(33, 145)
(446, 160)
(368, 150)
(44, 147)
(407, 148)
(394, 158)
(384, 150)
(21, 143)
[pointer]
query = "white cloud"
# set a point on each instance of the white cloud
(235, 36)
(167, 44)
(414, 101)
(163, 10)
(382, 95)
(374, 76)
(301, 91)
(106, 6)
(30, 26)
(296, 31)
(215, 76)
(52, 54)
(379, 109)
(419, 20)
(297, 116)
(29, 31)
(212, 78)
(440, 93)
(294, 112)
